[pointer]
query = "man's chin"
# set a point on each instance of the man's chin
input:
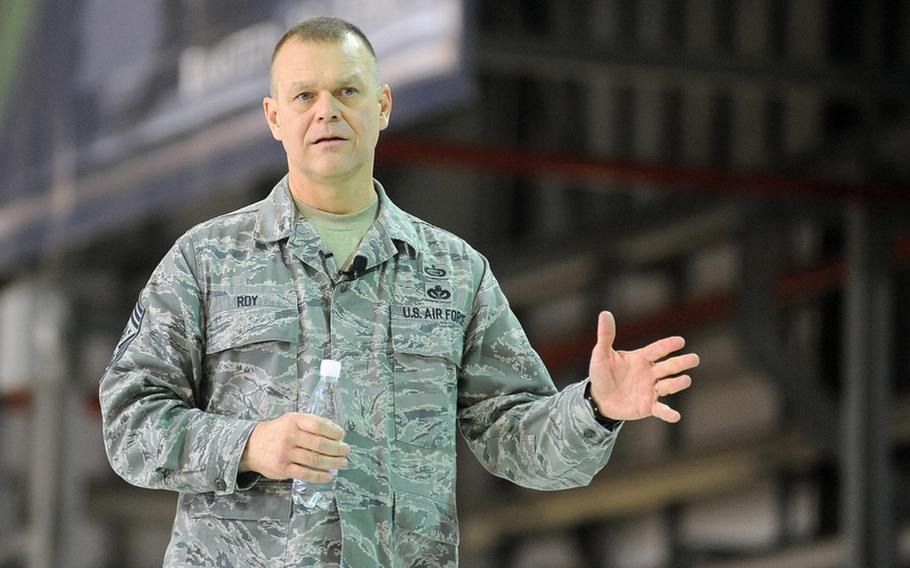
(331, 173)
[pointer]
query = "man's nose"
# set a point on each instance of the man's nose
(326, 108)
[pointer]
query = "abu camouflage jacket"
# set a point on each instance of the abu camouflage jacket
(230, 331)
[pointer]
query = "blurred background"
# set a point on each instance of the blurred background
(736, 171)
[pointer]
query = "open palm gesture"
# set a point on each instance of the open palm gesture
(627, 385)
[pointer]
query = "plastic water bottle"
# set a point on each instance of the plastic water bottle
(306, 493)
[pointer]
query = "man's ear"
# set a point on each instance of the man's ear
(385, 106)
(270, 108)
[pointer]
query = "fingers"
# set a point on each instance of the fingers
(676, 365)
(319, 426)
(667, 387)
(665, 413)
(315, 476)
(312, 457)
(317, 449)
(606, 330)
(296, 445)
(668, 368)
(673, 385)
(321, 445)
(317, 446)
(663, 347)
(314, 460)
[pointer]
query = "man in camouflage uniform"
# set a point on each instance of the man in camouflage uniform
(204, 390)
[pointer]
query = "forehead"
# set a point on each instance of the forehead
(298, 60)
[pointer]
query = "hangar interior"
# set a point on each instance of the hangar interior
(732, 171)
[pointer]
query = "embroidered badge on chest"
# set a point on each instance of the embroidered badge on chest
(433, 271)
(436, 284)
(438, 292)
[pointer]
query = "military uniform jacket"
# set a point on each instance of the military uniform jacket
(230, 331)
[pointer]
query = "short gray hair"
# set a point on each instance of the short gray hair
(322, 29)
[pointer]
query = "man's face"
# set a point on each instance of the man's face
(327, 110)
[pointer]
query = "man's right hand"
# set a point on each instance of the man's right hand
(295, 445)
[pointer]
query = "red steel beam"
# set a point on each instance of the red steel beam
(679, 319)
(394, 149)
(789, 288)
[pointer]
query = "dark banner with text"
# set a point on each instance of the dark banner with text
(117, 109)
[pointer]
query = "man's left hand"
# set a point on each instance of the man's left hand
(627, 385)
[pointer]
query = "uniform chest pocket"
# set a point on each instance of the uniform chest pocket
(425, 361)
(237, 320)
(250, 366)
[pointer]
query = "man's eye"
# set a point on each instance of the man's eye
(304, 96)
(349, 91)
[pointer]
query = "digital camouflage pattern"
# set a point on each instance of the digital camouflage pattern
(230, 330)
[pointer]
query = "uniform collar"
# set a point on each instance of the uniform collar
(397, 224)
(277, 215)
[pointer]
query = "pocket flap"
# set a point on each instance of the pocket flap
(428, 338)
(236, 320)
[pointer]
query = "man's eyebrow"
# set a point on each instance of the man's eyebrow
(352, 78)
(301, 85)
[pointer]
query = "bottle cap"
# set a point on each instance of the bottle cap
(330, 368)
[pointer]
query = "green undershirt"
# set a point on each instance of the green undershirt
(340, 233)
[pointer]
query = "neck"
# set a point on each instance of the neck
(335, 198)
